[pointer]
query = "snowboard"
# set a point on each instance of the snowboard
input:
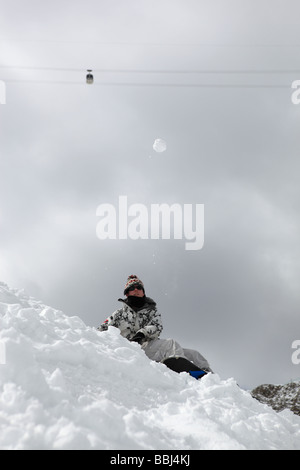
(181, 364)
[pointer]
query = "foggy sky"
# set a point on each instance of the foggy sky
(232, 144)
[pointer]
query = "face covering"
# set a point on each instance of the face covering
(136, 302)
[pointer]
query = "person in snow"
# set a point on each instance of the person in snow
(139, 320)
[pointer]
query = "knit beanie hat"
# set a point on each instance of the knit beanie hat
(133, 280)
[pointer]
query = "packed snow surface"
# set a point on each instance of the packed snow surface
(65, 385)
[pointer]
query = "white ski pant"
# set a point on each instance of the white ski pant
(160, 349)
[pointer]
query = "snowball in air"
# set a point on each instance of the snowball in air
(159, 145)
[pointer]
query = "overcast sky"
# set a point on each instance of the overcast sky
(213, 80)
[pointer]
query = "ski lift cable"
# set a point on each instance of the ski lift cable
(147, 44)
(155, 71)
(134, 84)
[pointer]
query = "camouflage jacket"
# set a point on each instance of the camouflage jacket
(146, 320)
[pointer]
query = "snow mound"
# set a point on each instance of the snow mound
(65, 385)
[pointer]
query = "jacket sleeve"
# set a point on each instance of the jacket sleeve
(112, 320)
(153, 325)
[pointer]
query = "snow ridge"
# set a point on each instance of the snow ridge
(67, 386)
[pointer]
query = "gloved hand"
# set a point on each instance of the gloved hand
(138, 337)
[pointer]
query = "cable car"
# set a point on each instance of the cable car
(89, 77)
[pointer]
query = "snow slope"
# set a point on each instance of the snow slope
(67, 386)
